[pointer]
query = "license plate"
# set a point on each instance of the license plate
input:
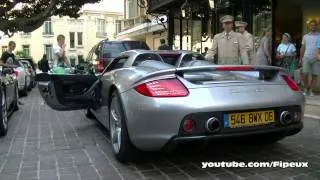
(247, 119)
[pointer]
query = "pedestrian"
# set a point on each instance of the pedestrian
(163, 45)
(44, 64)
(286, 55)
(59, 51)
(241, 28)
(308, 58)
(205, 51)
(263, 56)
(8, 59)
(229, 46)
(318, 47)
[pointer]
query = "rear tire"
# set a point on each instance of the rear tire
(16, 101)
(30, 86)
(90, 115)
(120, 141)
(3, 114)
(24, 92)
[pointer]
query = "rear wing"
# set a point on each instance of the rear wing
(266, 72)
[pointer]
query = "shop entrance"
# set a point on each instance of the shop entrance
(293, 17)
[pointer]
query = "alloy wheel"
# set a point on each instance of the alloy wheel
(4, 110)
(115, 125)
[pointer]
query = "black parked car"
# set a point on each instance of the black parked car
(9, 97)
(102, 53)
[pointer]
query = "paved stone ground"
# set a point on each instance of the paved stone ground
(49, 145)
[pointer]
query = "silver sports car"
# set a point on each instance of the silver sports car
(149, 105)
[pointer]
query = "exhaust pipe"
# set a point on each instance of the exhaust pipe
(285, 118)
(213, 125)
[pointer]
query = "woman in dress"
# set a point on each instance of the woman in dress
(263, 56)
(286, 55)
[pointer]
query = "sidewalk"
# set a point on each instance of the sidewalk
(312, 107)
(313, 101)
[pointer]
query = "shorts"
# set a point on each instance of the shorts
(310, 66)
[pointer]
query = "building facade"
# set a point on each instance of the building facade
(81, 35)
(137, 25)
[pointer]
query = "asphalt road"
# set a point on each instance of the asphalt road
(45, 144)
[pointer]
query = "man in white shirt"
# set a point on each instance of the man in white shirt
(60, 59)
(241, 28)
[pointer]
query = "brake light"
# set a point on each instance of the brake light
(163, 88)
(100, 65)
(234, 68)
(292, 85)
(17, 73)
(29, 70)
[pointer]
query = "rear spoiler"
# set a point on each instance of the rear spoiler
(182, 71)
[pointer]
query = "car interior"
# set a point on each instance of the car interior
(144, 57)
(170, 58)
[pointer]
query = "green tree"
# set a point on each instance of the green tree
(21, 54)
(33, 13)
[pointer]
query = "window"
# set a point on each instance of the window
(170, 58)
(118, 26)
(136, 45)
(80, 39)
(26, 50)
(132, 9)
(48, 27)
(101, 26)
(112, 50)
(72, 41)
(48, 51)
(118, 63)
(4, 48)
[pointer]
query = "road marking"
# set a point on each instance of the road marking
(311, 116)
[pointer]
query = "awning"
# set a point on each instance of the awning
(141, 29)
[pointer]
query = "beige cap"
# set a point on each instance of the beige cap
(226, 18)
(241, 24)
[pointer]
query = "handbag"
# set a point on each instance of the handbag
(278, 57)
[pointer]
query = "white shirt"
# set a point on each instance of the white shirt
(56, 50)
(288, 49)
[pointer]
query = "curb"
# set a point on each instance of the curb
(313, 103)
(312, 116)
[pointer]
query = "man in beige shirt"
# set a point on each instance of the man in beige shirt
(241, 28)
(228, 45)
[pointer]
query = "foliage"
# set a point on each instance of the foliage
(32, 13)
(21, 54)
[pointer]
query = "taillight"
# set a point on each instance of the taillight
(292, 85)
(163, 88)
(16, 72)
(100, 65)
(234, 68)
(29, 70)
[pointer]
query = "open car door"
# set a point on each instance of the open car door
(65, 92)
